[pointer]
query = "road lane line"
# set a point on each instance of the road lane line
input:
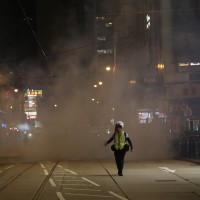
(71, 171)
(60, 196)
(59, 166)
(75, 184)
(93, 190)
(90, 181)
(66, 177)
(59, 171)
(116, 195)
(89, 195)
(46, 172)
(74, 180)
(168, 170)
(9, 166)
(43, 167)
(52, 182)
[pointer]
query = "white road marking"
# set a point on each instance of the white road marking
(74, 180)
(59, 166)
(60, 196)
(90, 181)
(89, 195)
(116, 195)
(59, 172)
(66, 177)
(52, 182)
(9, 166)
(75, 184)
(167, 169)
(0, 171)
(82, 189)
(42, 166)
(46, 172)
(71, 171)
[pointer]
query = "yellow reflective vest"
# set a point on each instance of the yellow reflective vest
(120, 140)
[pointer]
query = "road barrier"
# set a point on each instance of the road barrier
(188, 146)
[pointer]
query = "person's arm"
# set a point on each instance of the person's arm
(110, 140)
(129, 141)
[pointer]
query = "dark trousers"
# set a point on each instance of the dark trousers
(119, 159)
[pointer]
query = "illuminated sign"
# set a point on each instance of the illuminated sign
(148, 21)
(187, 64)
(194, 64)
(30, 105)
(34, 93)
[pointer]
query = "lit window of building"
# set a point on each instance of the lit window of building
(101, 38)
(105, 51)
(108, 25)
(100, 18)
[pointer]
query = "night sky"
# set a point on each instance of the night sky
(17, 41)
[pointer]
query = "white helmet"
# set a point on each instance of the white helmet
(120, 123)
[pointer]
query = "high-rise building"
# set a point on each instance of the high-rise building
(180, 47)
(104, 37)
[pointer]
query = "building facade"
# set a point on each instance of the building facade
(180, 47)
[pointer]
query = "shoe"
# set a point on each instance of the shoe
(120, 174)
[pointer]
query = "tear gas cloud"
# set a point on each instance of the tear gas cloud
(77, 127)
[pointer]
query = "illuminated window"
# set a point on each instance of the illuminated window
(101, 38)
(100, 18)
(105, 51)
(145, 117)
(108, 25)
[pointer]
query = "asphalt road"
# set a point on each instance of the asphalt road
(97, 180)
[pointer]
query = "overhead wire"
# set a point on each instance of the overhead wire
(49, 55)
(34, 34)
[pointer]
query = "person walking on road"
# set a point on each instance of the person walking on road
(120, 146)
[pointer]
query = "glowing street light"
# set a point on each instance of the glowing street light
(100, 83)
(108, 68)
(160, 67)
(133, 82)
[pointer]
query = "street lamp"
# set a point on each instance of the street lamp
(132, 82)
(108, 68)
(160, 66)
